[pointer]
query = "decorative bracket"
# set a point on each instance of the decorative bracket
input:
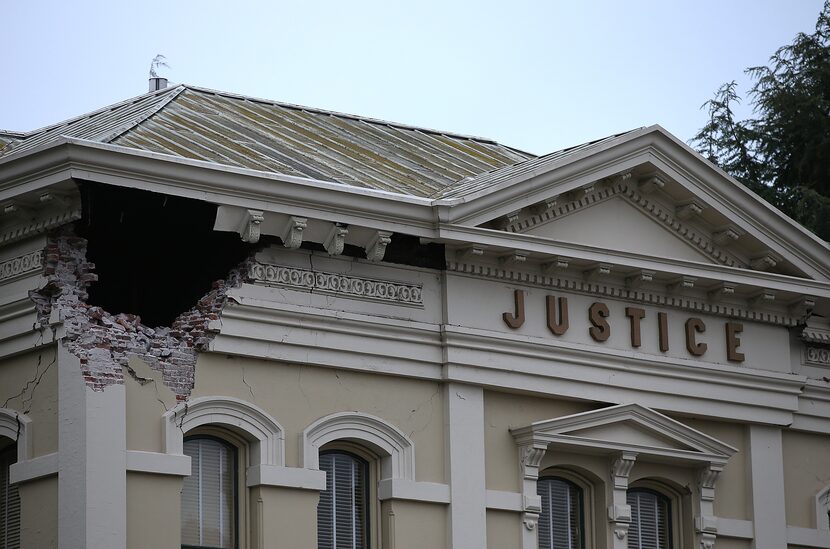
(726, 235)
(514, 258)
(637, 280)
(530, 457)
(376, 247)
(292, 235)
(706, 524)
(688, 210)
(336, 239)
(764, 297)
(598, 271)
(619, 512)
(764, 262)
(557, 265)
(650, 184)
(471, 252)
(803, 307)
(682, 283)
(722, 290)
(250, 229)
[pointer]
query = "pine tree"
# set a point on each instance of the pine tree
(783, 152)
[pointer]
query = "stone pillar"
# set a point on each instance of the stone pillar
(706, 523)
(530, 457)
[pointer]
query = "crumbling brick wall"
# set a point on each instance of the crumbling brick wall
(104, 342)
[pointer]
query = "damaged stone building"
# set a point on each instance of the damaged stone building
(229, 322)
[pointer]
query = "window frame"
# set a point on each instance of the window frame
(369, 461)
(583, 496)
(675, 508)
(9, 447)
(224, 438)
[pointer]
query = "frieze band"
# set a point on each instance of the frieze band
(21, 265)
(818, 355)
(334, 283)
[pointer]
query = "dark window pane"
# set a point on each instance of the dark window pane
(342, 511)
(560, 524)
(9, 503)
(209, 495)
(650, 524)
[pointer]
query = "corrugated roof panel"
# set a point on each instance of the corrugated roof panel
(234, 130)
(491, 179)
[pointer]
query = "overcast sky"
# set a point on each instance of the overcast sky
(539, 76)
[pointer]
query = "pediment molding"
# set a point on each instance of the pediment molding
(694, 446)
(625, 189)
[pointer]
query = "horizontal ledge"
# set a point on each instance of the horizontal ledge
(735, 528)
(808, 537)
(286, 477)
(158, 463)
(33, 469)
(397, 488)
(504, 501)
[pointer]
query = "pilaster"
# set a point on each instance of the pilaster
(619, 512)
(464, 466)
(92, 479)
(766, 475)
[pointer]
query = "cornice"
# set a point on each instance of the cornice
(461, 236)
(607, 289)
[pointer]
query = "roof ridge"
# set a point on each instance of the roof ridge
(106, 108)
(177, 90)
(368, 119)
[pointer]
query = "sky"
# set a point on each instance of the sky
(536, 75)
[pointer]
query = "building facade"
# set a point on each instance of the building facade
(229, 322)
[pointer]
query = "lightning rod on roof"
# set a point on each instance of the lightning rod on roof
(157, 82)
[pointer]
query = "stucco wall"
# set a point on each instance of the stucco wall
(732, 493)
(29, 383)
(296, 396)
(503, 529)
(153, 511)
(39, 513)
(505, 410)
(806, 472)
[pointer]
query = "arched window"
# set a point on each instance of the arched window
(343, 511)
(561, 524)
(650, 520)
(209, 496)
(9, 502)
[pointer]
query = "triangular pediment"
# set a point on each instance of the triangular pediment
(627, 428)
(617, 224)
(642, 192)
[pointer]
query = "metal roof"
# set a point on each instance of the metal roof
(202, 124)
(493, 178)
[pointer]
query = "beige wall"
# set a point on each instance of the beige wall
(732, 543)
(283, 518)
(146, 402)
(297, 395)
(504, 529)
(806, 472)
(39, 513)
(414, 525)
(153, 510)
(505, 410)
(732, 493)
(38, 399)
